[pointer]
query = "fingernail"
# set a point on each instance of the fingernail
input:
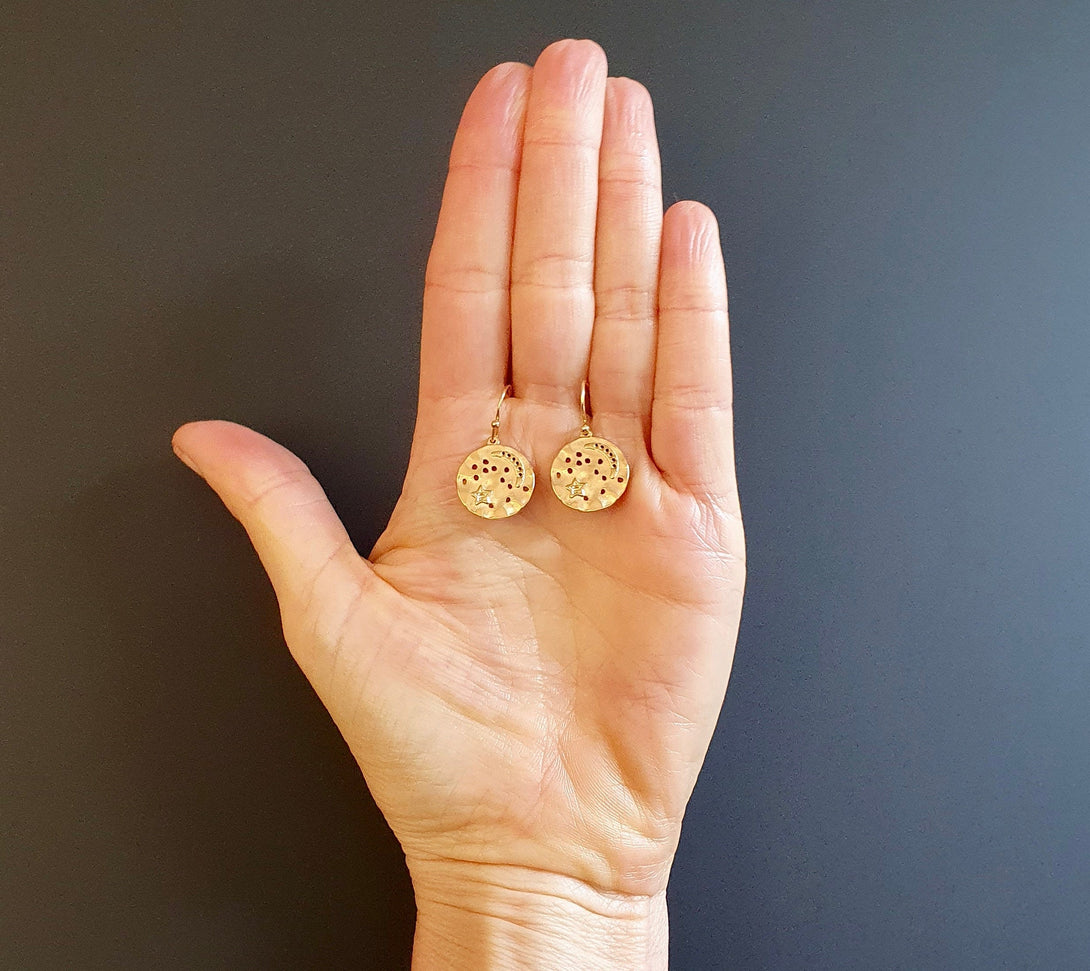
(185, 458)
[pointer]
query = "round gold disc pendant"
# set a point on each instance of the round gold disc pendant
(589, 474)
(495, 481)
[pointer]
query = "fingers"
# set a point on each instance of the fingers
(692, 436)
(299, 538)
(622, 357)
(551, 234)
(466, 320)
(552, 268)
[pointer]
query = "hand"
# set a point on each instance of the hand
(531, 699)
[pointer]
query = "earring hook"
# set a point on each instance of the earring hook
(494, 438)
(585, 430)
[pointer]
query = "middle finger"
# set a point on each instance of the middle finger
(552, 260)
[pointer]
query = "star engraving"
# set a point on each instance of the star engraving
(576, 489)
(481, 496)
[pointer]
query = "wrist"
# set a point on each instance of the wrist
(491, 916)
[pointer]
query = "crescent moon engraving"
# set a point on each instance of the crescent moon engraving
(514, 458)
(609, 453)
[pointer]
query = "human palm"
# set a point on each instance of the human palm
(533, 694)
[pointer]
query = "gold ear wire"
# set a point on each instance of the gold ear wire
(493, 439)
(585, 429)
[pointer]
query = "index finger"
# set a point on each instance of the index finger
(466, 328)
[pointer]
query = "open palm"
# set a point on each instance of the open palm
(535, 693)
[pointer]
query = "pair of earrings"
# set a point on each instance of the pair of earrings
(496, 481)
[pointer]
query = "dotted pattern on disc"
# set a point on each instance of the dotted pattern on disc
(589, 474)
(495, 482)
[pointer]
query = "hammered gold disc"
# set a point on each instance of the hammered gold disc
(495, 481)
(589, 474)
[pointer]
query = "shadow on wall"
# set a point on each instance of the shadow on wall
(188, 802)
(229, 819)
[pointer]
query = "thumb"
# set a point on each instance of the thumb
(300, 539)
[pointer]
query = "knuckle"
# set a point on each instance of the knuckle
(633, 176)
(270, 489)
(466, 277)
(554, 134)
(625, 302)
(565, 270)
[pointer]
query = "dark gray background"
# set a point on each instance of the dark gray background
(223, 210)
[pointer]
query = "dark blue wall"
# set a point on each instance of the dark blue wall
(224, 209)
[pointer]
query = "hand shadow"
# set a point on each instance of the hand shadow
(215, 817)
(237, 815)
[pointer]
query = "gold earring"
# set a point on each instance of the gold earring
(495, 481)
(589, 473)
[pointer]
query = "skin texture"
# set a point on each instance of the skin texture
(531, 699)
